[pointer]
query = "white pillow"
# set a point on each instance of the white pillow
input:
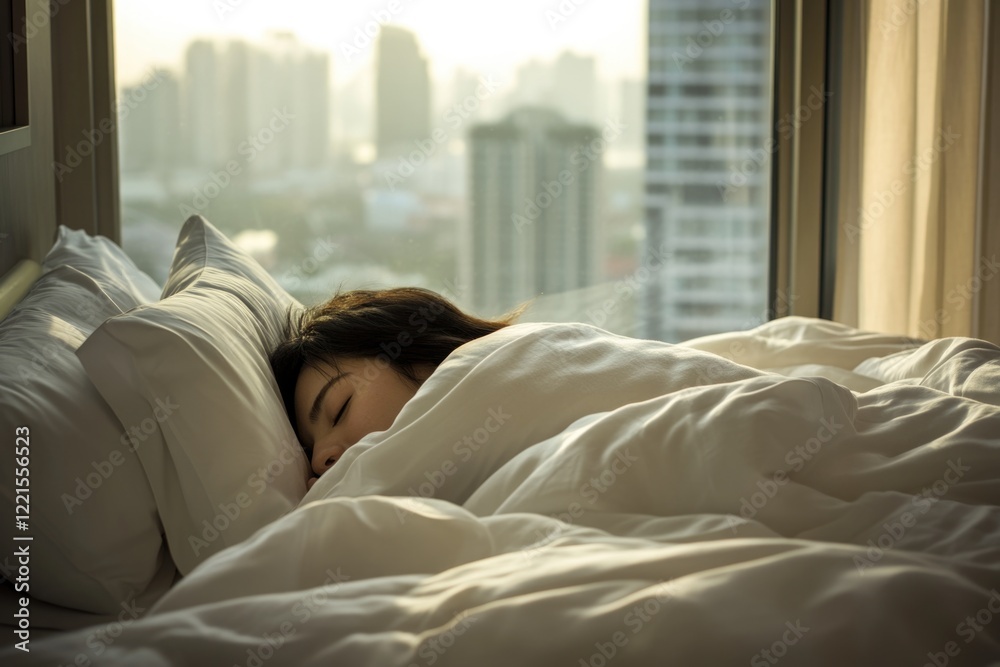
(226, 461)
(96, 535)
(104, 261)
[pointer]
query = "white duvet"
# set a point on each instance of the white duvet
(557, 495)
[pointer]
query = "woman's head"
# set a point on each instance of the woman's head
(347, 366)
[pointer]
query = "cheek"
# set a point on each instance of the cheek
(382, 412)
(395, 406)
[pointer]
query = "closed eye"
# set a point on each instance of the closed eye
(342, 410)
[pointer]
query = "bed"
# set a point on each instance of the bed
(802, 493)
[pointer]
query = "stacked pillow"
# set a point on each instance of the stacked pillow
(96, 536)
(157, 433)
(220, 455)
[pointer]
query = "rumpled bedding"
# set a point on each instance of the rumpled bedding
(802, 494)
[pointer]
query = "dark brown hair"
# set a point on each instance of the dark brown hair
(405, 327)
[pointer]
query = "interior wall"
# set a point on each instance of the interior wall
(27, 182)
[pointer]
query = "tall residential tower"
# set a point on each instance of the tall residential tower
(707, 167)
(402, 93)
(533, 209)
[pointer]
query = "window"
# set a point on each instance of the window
(392, 150)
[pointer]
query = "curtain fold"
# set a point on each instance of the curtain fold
(911, 222)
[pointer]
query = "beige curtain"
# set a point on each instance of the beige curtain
(915, 255)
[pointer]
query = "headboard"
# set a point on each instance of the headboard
(16, 283)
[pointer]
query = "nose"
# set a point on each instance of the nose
(325, 455)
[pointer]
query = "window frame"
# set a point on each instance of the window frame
(803, 171)
(802, 254)
(85, 112)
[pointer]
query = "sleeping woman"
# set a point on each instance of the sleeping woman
(349, 365)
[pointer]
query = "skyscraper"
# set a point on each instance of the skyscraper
(568, 85)
(402, 93)
(233, 92)
(148, 133)
(533, 209)
(707, 169)
(205, 111)
(574, 87)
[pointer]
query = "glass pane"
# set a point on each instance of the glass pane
(708, 146)
(377, 144)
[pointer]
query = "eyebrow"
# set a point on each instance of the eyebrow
(314, 411)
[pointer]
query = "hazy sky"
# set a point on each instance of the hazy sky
(486, 36)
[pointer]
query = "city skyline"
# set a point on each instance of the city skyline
(197, 120)
(351, 113)
(154, 34)
(653, 246)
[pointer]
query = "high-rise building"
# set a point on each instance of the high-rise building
(631, 95)
(354, 120)
(279, 87)
(568, 85)
(533, 219)
(402, 93)
(149, 136)
(573, 89)
(707, 166)
(205, 112)
(295, 78)
(266, 105)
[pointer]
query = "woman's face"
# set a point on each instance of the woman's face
(336, 407)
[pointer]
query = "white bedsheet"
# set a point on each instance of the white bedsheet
(556, 495)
